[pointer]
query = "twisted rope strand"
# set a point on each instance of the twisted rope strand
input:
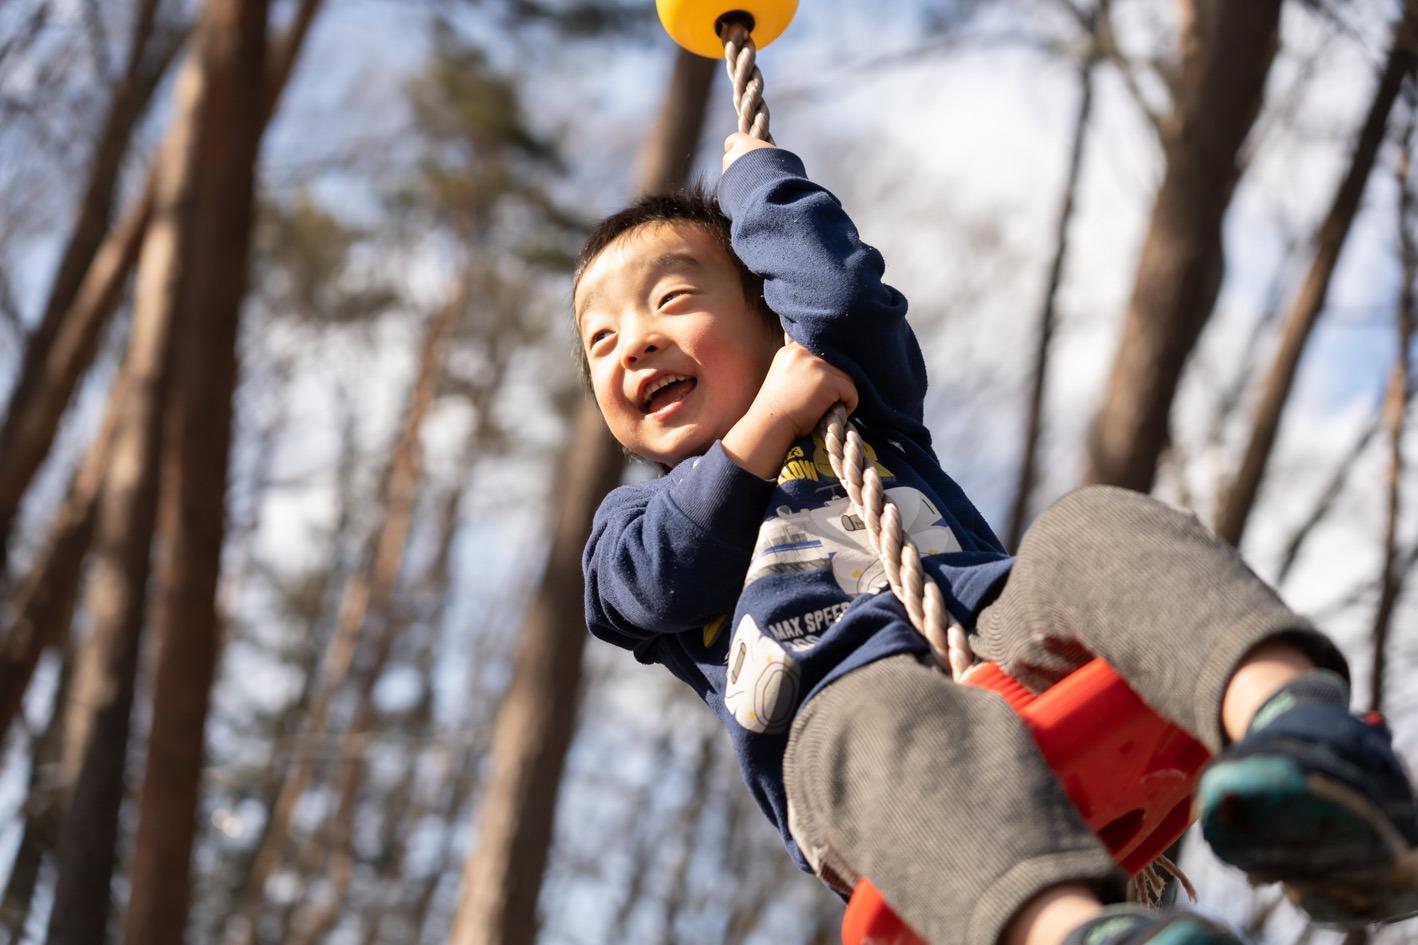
(741, 60)
(900, 559)
(1166, 865)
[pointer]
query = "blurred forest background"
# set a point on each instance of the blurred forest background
(295, 467)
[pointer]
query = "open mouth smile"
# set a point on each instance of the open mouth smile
(663, 392)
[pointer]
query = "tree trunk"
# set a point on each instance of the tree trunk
(42, 811)
(38, 405)
(641, 838)
(316, 611)
(502, 878)
(676, 898)
(41, 392)
(412, 799)
(1034, 422)
(369, 592)
(43, 603)
(40, 601)
(227, 120)
(96, 728)
(315, 919)
(336, 834)
(94, 266)
(1227, 49)
(1240, 498)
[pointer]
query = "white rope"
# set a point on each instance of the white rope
(899, 557)
(1148, 886)
(741, 59)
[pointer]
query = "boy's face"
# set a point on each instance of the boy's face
(676, 352)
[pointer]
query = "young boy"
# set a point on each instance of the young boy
(744, 573)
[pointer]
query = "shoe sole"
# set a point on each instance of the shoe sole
(1338, 855)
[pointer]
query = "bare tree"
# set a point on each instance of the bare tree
(1309, 302)
(502, 878)
(1391, 578)
(303, 255)
(311, 600)
(367, 596)
(497, 323)
(646, 841)
(45, 383)
(97, 718)
(41, 815)
(386, 627)
(66, 356)
(95, 262)
(227, 121)
(1333, 487)
(701, 769)
(1226, 53)
(1034, 421)
(43, 602)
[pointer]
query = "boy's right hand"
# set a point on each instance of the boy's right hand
(738, 144)
(798, 390)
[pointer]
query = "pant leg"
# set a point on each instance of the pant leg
(938, 793)
(1115, 573)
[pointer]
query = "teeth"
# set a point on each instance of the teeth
(665, 381)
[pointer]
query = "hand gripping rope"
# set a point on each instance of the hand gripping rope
(1130, 773)
(706, 28)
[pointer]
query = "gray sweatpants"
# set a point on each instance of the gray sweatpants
(937, 792)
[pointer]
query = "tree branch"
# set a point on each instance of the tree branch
(1226, 54)
(1327, 497)
(1309, 302)
(1391, 579)
(1034, 422)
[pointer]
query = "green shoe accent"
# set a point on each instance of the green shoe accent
(1338, 855)
(1134, 925)
(1280, 703)
(1187, 931)
(1107, 928)
(1265, 815)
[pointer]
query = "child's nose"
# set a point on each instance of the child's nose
(641, 345)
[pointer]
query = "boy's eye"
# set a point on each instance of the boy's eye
(597, 336)
(669, 297)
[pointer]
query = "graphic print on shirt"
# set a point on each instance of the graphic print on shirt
(832, 538)
(798, 465)
(762, 689)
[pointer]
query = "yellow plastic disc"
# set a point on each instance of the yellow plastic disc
(691, 22)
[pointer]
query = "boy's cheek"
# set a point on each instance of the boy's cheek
(607, 408)
(603, 387)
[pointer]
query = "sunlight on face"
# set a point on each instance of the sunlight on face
(676, 353)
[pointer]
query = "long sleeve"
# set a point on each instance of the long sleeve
(669, 555)
(825, 284)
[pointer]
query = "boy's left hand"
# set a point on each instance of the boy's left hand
(738, 144)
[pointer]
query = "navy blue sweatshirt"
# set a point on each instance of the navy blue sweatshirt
(758, 593)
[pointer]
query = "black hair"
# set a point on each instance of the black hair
(693, 205)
